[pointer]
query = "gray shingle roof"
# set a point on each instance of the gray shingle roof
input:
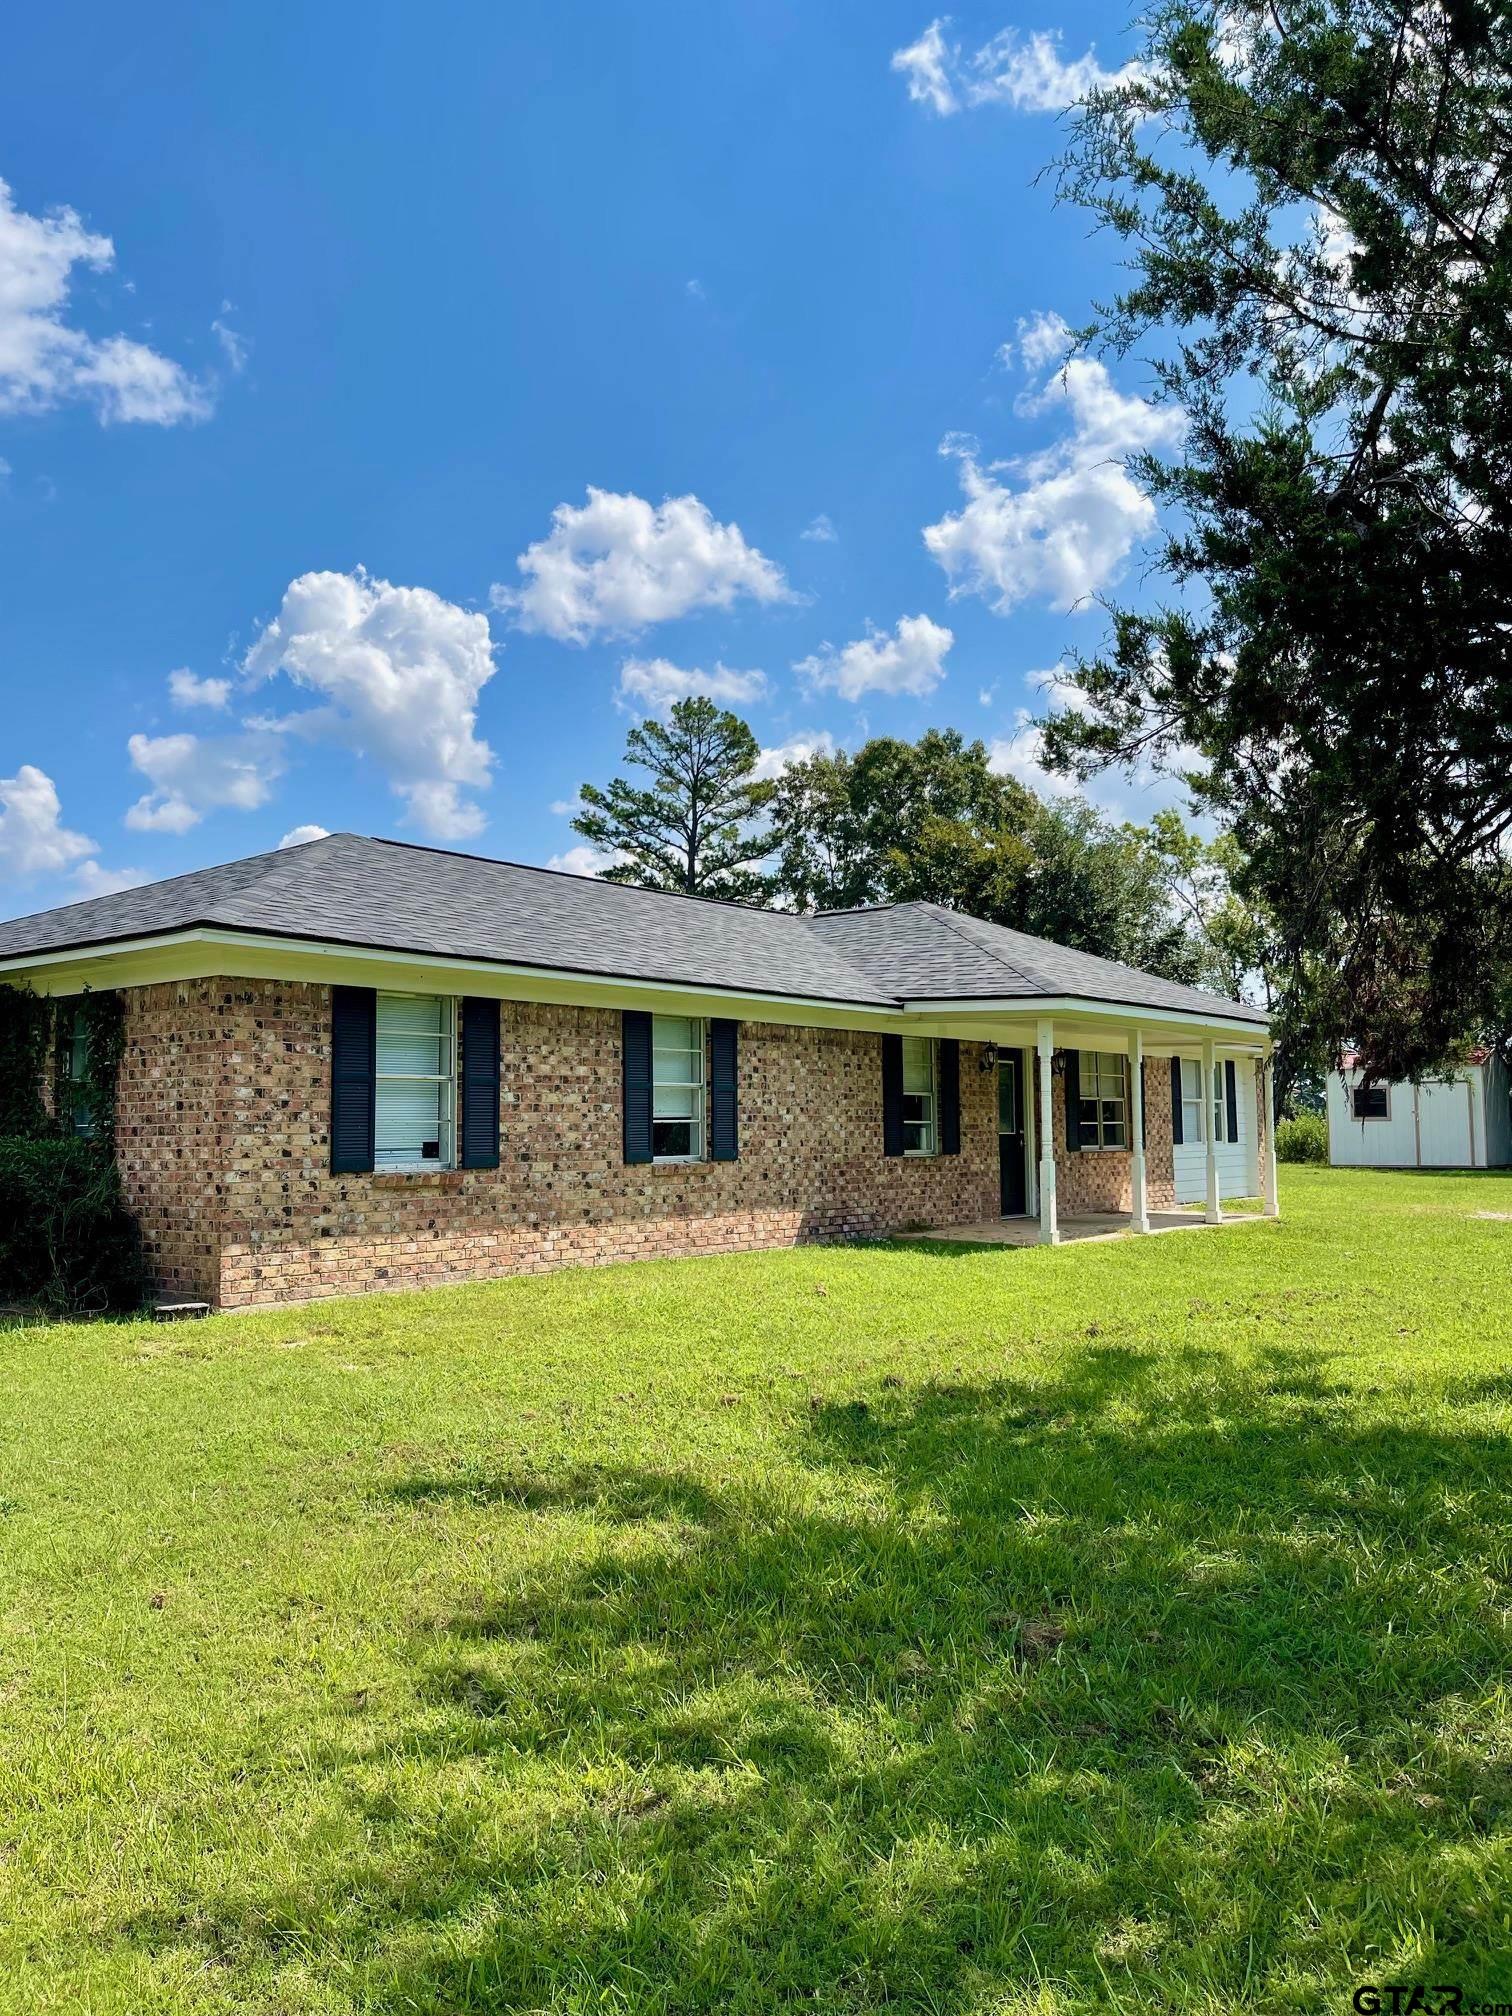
(392, 897)
(925, 952)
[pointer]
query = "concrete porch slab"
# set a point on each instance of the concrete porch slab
(1088, 1225)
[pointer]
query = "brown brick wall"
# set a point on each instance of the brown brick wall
(1101, 1179)
(224, 1142)
(168, 1135)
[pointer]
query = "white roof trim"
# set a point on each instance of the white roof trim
(147, 952)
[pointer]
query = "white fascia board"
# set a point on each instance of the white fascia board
(210, 952)
(1028, 1009)
(207, 952)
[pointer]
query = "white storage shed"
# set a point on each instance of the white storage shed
(1460, 1122)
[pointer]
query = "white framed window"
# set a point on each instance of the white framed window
(920, 1136)
(678, 1102)
(1191, 1100)
(1371, 1102)
(1102, 1117)
(415, 1090)
(1220, 1105)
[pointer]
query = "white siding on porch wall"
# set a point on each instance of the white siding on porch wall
(1238, 1161)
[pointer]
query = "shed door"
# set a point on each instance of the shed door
(1444, 1125)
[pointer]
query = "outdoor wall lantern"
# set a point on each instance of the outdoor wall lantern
(989, 1057)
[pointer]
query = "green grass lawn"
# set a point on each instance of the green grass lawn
(1123, 1626)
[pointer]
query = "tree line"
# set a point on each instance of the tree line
(932, 821)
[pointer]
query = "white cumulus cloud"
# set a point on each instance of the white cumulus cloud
(1043, 339)
(188, 691)
(654, 685)
(297, 836)
(46, 360)
(34, 841)
(93, 880)
(33, 838)
(774, 763)
(911, 660)
(400, 671)
(1022, 755)
(1065, 519)
(820, 529)
(191, 775)
(617, 563)
(584, 860)
(1030, 73)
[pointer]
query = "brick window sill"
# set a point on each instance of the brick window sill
(417, 1179)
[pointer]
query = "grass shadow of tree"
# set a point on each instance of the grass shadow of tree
(1158, 1680)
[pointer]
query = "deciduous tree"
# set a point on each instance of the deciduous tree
(1316, 201)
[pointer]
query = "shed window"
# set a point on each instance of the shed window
(919, 1102)
(1371, 1102)
(677, 1088)
(415, 1090)
(1102, 1115)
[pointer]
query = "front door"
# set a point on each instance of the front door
(1013, 1195)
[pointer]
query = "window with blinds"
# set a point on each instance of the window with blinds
(415, 1085)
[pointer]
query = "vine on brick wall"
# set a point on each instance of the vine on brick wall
(67, 1241)
(103, 1051)
(25, 1029)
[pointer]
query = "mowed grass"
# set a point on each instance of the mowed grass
(1121, 1627)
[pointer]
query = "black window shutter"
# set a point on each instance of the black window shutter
(354, 1064)
(950, 1096)
(1144, 1105)
(1073, 1100)
(480, 1084)
(892, 1095)
(636, 1031)
(724, 1090)
(1231, 1097)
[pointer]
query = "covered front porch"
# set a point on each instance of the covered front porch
(1114, 1117)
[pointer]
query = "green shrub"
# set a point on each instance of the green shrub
(67, 1240)
(1304, 1139)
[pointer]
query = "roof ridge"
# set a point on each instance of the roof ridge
(269, 855)
(573, 875)
(948, 919)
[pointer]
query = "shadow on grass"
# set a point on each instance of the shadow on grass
(1157, 1681)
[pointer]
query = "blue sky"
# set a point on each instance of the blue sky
(313, 322)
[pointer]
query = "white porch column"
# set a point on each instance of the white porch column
(1209, 1132)
(1139, 1210)
(1269, 1189)
(1049, 1231)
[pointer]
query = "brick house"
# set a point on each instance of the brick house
(355, 1064)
